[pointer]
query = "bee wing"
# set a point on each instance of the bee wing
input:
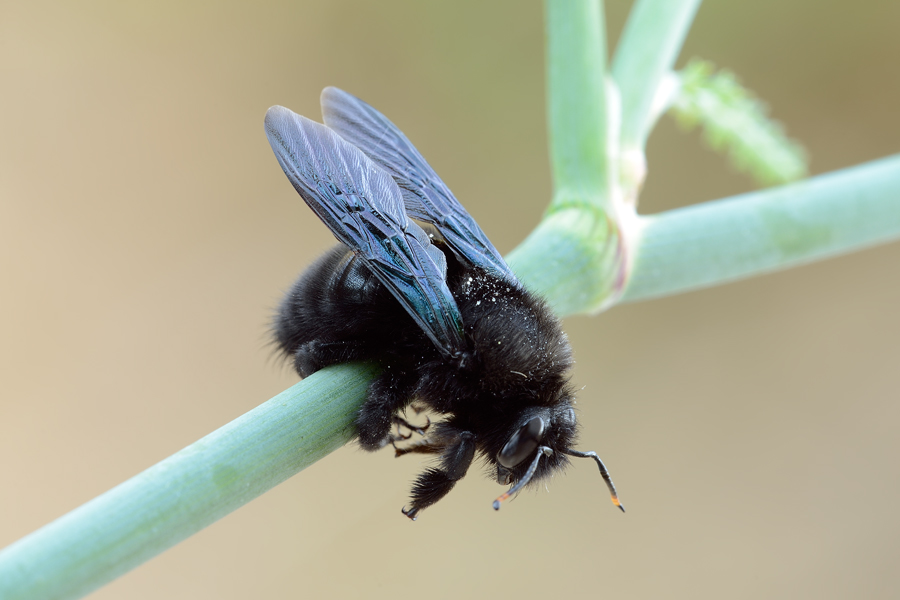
(425, 195)
(363, 208)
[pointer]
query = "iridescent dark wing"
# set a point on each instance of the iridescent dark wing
(425, 195)
(362, 206)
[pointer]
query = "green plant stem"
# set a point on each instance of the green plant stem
(650, 44)
(736, 123)
(156, 509)
(571, 260)
(570, 257)
(716, 242)
(576, 101)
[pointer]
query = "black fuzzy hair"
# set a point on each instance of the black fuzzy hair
(514, 366)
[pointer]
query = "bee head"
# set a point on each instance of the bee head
(538, 445)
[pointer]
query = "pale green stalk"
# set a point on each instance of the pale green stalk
(642, 64)
(170, 501)
(576, 101)
(572, 250)
(650, 44)
(735, 122)
(715, 242)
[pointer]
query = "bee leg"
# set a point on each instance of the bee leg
(390, 392)
(420, 430)
(422, 446)
(399, 437)
(434, 484)
(316, 354)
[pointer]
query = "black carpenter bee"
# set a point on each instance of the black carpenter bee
(452, 327)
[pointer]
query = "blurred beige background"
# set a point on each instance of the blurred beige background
(146, 232)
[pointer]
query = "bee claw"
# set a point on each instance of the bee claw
(420, 430)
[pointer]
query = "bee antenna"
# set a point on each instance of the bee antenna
(542, 451)
(603, 472)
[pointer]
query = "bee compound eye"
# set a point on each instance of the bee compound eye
(504, 476)
(522, 443)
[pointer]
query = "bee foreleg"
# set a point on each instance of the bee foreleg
(434, 484)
